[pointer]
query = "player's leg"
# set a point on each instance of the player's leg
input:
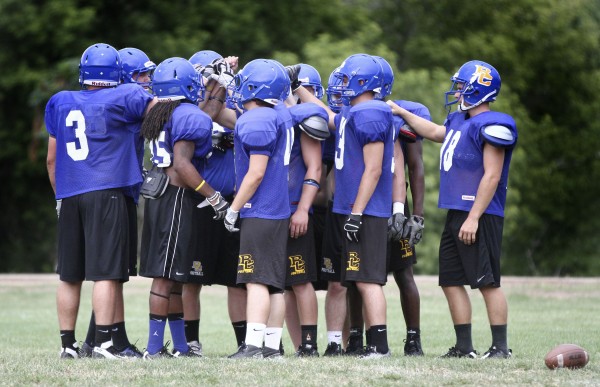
(292, 318)
(307, 308)
(375, 315)
(236, 306)
(411, 310)
(177, 323)
(355, 342)
(274, 328)
(190, 298)
(67, 304)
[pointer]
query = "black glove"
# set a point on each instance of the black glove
(352, 226)
(415, 225)
(397, 227)
(293, 72)
(220, 205)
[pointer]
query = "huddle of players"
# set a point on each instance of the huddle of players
(273, 161)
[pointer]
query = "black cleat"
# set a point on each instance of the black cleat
(248, 352)
(333, 349)
(455, 352)
(412, 346)
(497, 353)
(370, 352)
(307, 351)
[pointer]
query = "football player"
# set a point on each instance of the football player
(474, 192)
(91, 160)
(180, 140)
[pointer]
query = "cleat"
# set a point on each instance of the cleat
(355, 345)
(247, 352)
(455, 352)
(271, 353)
(307, 351)
(86, 350)
(195, 348)
(333, 349)
(412, 346)
(497, 353)
(370, 352)
(281, 350)
(131, 352)
(70, 352)
(162, 353)
(106, 353)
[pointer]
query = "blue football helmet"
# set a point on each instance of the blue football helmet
(262, 79)
(358, 74)
(100, 65)
(476, 82)
(204, 57)
(134, 63)
(387, 76)
(175, 78)
(334, 97)
(309, 76)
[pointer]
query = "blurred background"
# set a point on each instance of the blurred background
(546, 51)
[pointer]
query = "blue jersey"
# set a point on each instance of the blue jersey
(219, 171)
(95, 133)
(187, 123)
(297, 168)
(461, 161)
(364, 123)
(269, 132)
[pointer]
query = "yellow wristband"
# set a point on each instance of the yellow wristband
(200, 185)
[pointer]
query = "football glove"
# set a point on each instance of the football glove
(293, 72)
(220, 205)
(230, 218)
(352, 226)
(415, 226)
(58, 205)
(397, 227)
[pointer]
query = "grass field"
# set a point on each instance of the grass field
(543, 312)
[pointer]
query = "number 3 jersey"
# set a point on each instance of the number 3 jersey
(95, 132)
(461, 159)
(364, 123)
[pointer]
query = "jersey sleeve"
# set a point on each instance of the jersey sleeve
(49, 116)
(303, 111)
(371, 125)
(136, 101)
(500, 131)
(257, 130)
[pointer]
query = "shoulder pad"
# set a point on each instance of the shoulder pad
(315, 127)
(498, 135)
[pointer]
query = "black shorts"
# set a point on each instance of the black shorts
(133, 235)
(216, 251)
(477, 265)
(168, 235)
(333, 240)
(366, 261)
(319, 214)
(301, 263)
(263, 257)
(93, 237)
(400, 255)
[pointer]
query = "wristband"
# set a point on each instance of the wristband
(398, 207)
(200, 186)
(312, 182)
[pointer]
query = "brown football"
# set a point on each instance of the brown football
(566, 356)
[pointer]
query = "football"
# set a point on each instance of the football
(566, 356)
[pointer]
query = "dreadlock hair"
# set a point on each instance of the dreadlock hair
(156, 119)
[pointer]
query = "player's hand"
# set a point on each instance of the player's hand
(352, 226)
(468, 231)
(218, 204)
(58, 205)
(230, 218)
(293, 72)
(415, 226)
(397, 227)
(298, 224)
(233, 62)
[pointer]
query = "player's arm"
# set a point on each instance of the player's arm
(422, 126)
(214, 99)
(493, 160)
(51, 162)
(251, 181)
(416, 176)
(306, 96)
(373, 159)
(399, 177)
(311, 154)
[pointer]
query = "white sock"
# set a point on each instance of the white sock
(273, 337)
(255, 334)
(334, 337)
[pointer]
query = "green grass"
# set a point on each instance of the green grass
(543, 313)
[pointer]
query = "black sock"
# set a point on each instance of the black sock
(119, 336)
(499, 337)
(67, 338)
(192, 330)
(355, 339)
(91, 333)
(378, 334)
(368, 336)
(412, 332)
(309, 335)
(239, 328)
(463, 337)
(103, 334)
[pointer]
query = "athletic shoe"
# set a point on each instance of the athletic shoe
(307, 351)
(131, 352)
(70, 352)
(370, 352)
(106, 353)
(412, 346)
(248, 352)
(497, 353)
(271, 353)
(352, 349)
(195, 348)
(162, 353)
(455, 352)
(281, 350)
(333, 349)
(86, 350)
